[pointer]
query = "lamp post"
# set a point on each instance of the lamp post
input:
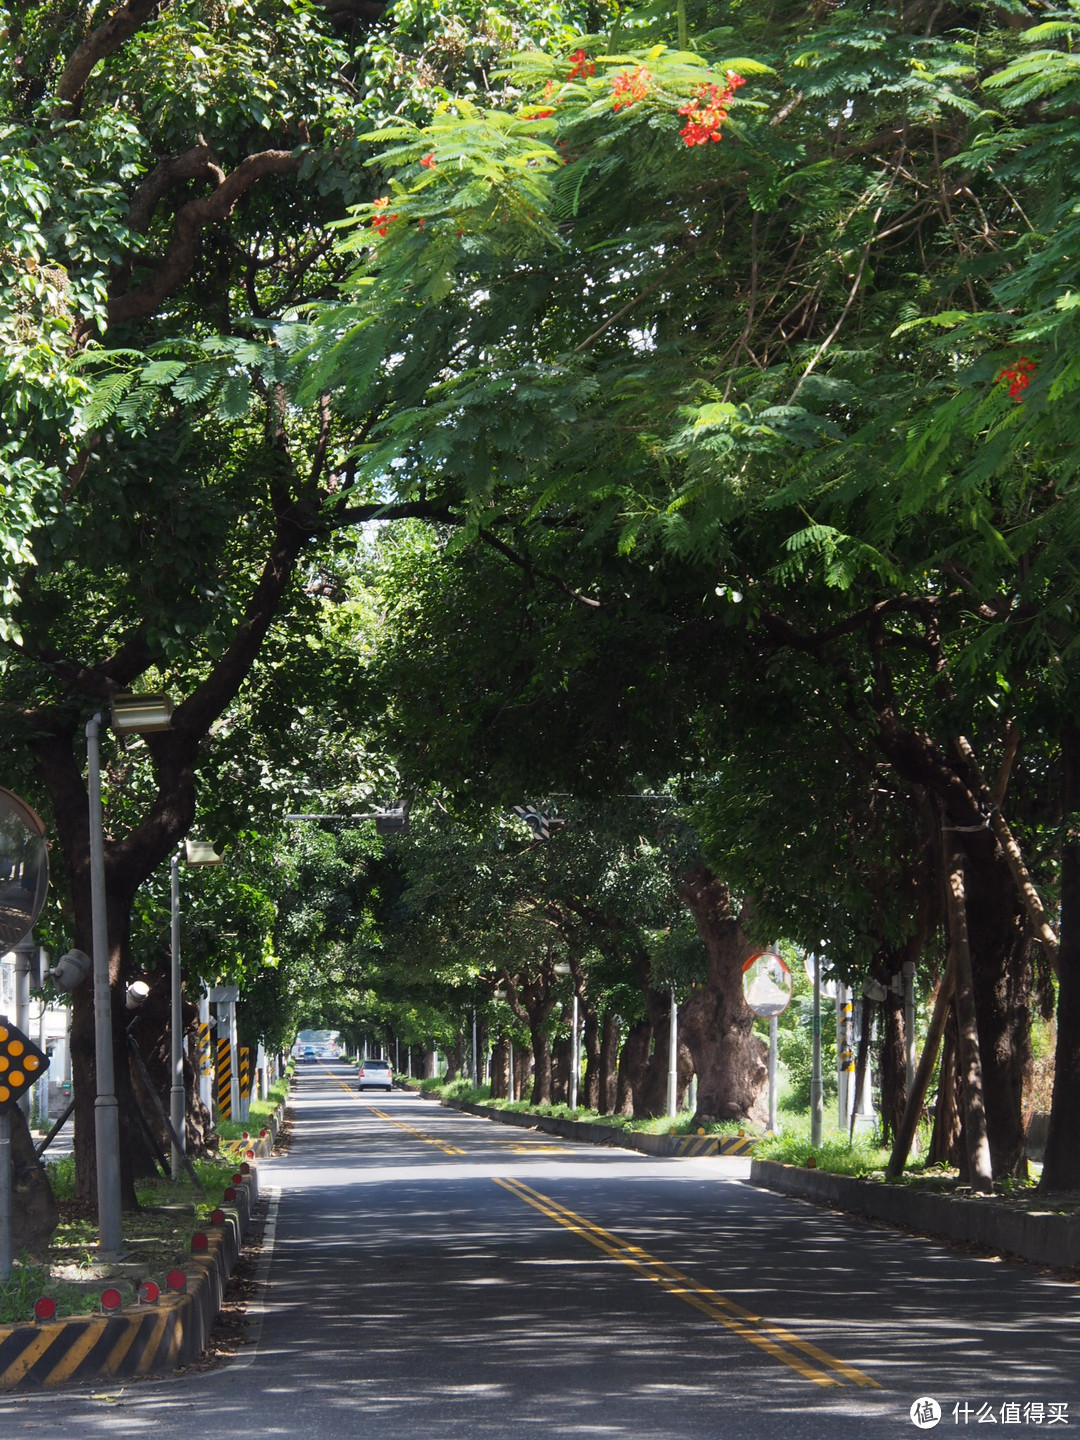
(196, 853)
(563, 968)
(673, 1057)
(130, 714)
(815, 1060)
(575, 1054)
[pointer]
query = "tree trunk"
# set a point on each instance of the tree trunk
(1002, 971)
(560, 1071)
(976, 1143)
(608, 1070)
(455, 1058)
(34, 1215)
(523, 1057)
(590, 1088)
(1061, 1158)
(150, 1029)
(632, 1063)
(541, 1052)
(893, 1074)
(945, 1146)
(500, 1067)
(716, 1023)
(1002, 979)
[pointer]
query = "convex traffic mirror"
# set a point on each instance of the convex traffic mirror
(24, 869)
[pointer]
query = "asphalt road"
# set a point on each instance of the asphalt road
(438, 1277)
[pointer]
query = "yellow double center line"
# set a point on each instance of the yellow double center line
(775, 1340)
(417, 1134)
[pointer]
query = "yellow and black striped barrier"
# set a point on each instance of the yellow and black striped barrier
(736, 1144)
(206, 1063)
(224, 1079)
(716, 1145)
(245, 1072)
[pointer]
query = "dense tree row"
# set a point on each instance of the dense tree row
(727, 367)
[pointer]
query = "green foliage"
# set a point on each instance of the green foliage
(836, 1154)
(20, 1290)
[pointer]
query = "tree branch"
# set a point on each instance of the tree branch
(198, 163)
(191, 219)
(524, 563)
(105, 40)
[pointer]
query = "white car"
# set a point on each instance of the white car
(376, 1075)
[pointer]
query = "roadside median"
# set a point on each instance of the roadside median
(1043, 1236)
(592, 1133)
(171, 1330)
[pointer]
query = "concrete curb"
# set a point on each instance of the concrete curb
(145, 1339)
(594, 1134)
(1042, 1238)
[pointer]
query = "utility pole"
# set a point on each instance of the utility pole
(673, 1057)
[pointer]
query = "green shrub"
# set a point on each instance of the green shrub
(791, 1146)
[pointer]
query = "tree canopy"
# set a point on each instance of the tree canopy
(492, 405)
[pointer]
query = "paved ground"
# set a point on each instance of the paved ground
(439, 1277)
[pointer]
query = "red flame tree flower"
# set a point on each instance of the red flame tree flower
(581, 65)
(380, 221)
(630, 86)
(708, 110)
(1018, 374)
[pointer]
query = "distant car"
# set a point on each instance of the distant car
(309, 1053)
(376, 1075)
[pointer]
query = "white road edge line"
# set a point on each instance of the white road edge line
(258, 1307)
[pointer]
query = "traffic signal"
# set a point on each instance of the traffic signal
(22, 1064)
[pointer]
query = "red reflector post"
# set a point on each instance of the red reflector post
(176, 1280)
(218, 1217)
(237, 1179)
(45, 1308)
(245, 1167)
(199, 1242)
(230, 1193)
(111, 1301)
(251, 1156)
(149, 1293)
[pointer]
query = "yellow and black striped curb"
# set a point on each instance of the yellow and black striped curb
(146, 1339)
(143, 1341)
(262, 1145)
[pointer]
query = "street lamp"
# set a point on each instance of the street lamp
(196, 853)
(130, 714)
